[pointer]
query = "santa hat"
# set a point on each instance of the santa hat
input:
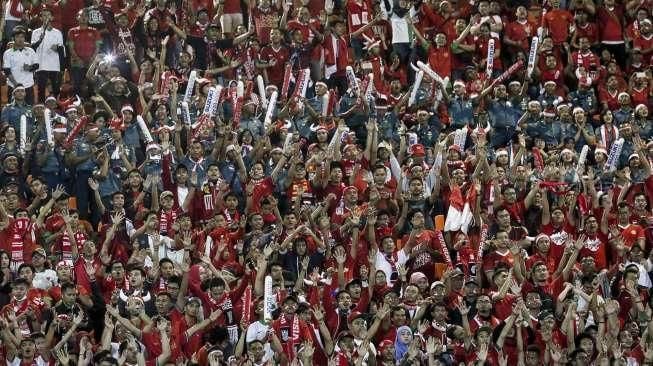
(600, 149)
(641, 107)
(59, 128)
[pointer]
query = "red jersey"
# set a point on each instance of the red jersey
(520, 32)
(559, 236)
(494, 259)
(85, 42)
(557, 21)
(152, 341)
(440, 60)
(639, 96)
(588, 30)
(585, 59)
(304, 28)
(610, 20)
(265, 20)
(644, 43)
(358, 14)
(609, 98)
(71, 8)
(81, 276)
(281, 55)
(232, 7)
(596, 247)
(481, 51)
(421, 258)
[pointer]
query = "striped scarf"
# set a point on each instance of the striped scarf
(66, 245)
(19, 236)
(166, 220)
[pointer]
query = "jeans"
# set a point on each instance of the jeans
(85, 207)
(78, 76)
(403, 50)
(501, 136)
(42, 78)
(357, 46)
(9, 29)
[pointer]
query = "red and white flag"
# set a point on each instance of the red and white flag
(459, 216)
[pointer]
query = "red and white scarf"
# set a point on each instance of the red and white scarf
(66, 245)
(19, 307)
(19, 236)
(210, 195)
(608, 137)
(293, 338)
(247, 304)
(166, 219)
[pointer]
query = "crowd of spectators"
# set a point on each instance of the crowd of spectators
(326, 182)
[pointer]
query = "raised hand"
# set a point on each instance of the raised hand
(58, 192)
(515, 287)
(482, 352)
(93, 184)
(340, 256)
(555, 352)
(79, 317)
(463, 308)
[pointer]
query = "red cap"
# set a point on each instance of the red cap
(417, 150)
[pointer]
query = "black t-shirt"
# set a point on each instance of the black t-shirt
(205, 50)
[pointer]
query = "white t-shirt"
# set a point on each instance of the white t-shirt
(47, 58)
(14, 60)
(165, 251)
(16, 362)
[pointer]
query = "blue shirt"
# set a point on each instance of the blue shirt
(503, 114)
(83, 148)
(461, 112)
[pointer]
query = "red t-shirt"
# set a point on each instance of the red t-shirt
(521, 32)
(644, 43)
(276, 72)
(639, 96)
(84, 42)
(421, 260)
(610, 21)
(585, 59)
(70, 9)
(558, 236)
(152, 341)
(440, 60)
(557, 21)
(596, 246)
(552, 288)
(611, 99)
(358, 14)
(481, 52)
(493, 259)
(232, 7)
(265, 21)
(590, 31)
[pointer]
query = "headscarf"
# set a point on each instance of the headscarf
(400, 347)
